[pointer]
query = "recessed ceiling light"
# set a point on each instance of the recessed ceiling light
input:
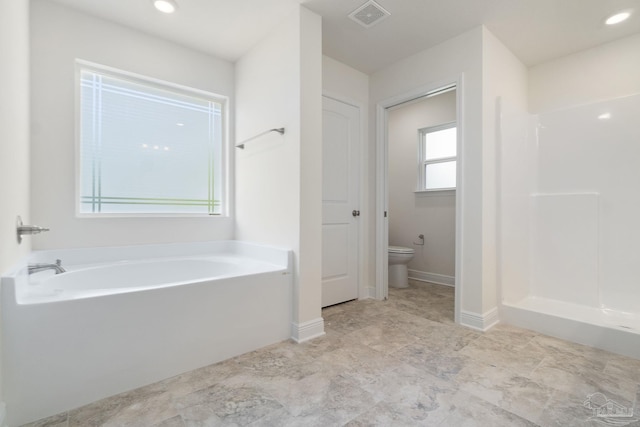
(604, 116)
(617, 18)
(165, 6)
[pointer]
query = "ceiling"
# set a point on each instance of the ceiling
(534, 30)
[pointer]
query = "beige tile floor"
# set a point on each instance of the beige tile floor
(400, 362)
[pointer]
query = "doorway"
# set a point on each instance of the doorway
(419, 188)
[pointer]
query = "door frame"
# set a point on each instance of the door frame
(363, 291)
(382, 184)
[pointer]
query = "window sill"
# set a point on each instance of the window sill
(439, 192)
(146, 215)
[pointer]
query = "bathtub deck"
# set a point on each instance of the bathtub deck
(395, 362)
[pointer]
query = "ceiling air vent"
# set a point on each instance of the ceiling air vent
(369, 14)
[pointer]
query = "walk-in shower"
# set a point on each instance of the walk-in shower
(569, 222)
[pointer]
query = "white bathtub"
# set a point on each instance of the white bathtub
(121, 318)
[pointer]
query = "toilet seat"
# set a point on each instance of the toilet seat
(400, 250)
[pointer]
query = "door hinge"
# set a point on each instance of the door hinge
(385, 214)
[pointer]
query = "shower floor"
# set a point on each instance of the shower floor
(606, 329)
(597, 316)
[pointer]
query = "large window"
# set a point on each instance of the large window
(437, 151)
(148, 147)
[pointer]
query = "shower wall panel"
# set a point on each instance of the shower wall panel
(565, 247)
(593, 148)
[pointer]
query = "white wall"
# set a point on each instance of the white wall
(278, 178)
(349, 85)
(14, 133)
(343, 81)
(445, 62)
(14, 128)
(603, 72)
(309, 266)
(411, 214)
(59, 36)
(504, 76)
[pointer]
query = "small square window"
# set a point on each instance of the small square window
(437, 157)
(148, 147)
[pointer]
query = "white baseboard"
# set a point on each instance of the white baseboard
(480, 322)
(301, 332)
(436, 278)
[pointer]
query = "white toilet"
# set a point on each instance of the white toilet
(399, 257)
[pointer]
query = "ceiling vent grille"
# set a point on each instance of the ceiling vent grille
(369, 14)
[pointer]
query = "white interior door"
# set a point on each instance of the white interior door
(340, 201)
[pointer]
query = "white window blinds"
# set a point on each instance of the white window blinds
(146, 148)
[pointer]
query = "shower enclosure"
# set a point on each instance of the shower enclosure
(569, 222)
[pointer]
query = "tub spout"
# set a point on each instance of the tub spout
(34, 268)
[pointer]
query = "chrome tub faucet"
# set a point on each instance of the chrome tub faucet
(34, 268)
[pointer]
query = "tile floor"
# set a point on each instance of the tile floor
(401, 362)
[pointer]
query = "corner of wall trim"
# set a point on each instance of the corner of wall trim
(480, 322)
(301, 332)
(371, 292)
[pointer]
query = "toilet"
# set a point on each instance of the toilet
(399, 257)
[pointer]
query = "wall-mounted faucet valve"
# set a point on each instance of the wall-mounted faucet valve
(27, 229)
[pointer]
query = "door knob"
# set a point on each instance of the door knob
(355, 213)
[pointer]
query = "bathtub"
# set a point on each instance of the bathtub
(121, 318)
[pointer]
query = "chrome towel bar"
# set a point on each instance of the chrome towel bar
(279, 130)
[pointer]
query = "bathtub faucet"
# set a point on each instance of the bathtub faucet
(34, 268)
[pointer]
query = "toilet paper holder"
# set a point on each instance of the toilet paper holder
(421, 242)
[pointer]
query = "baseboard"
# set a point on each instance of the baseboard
(436, 278)
(301, 332)
(480, 322)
